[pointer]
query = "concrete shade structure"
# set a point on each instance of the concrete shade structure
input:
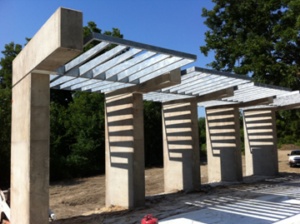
(223, 144)
(261, 135)
(146, 71)
(124, 141)
(123, 73)
(127, 74)
(223, 132)
(181, 146)
(58, 41)
(124, 144)
(260, 142)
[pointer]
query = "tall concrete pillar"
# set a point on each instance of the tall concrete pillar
(261, 154)
(223, 144)
(124, 143)
(181, 146)
(58, 41)
(30, 149)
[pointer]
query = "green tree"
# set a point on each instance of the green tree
(10, 52)
(288, 127)
(5, 124)
(92, 28)
(202, 136)
(60, 141)
(202, 129)
(259, 38)
(86, 128)
(153, 134)
(77, 126)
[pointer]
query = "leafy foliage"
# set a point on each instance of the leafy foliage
(86, 124)
(5, 124)
(259, 38)
(288, 127)
(92, 28)
(10, 52)
(153, 134)
(202, 136)
(60, 141)
(77, 127)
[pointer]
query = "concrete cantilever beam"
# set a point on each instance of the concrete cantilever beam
(59, 40)
(168, 79)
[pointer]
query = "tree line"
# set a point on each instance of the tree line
(260, 38)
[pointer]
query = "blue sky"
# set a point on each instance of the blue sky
(173, 24)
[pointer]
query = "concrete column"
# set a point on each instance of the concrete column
(58, 41)
(30, 155)
(124, 143)
(260, 142)
(181, 146)
(223, 144)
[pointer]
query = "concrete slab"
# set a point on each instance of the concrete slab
(278, 205)
(207, 216)
(216, 217)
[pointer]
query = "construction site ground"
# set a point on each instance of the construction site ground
(83, 200)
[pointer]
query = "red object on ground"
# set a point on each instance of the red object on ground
(149, 219)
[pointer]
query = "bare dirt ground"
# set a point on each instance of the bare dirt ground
(83, 200)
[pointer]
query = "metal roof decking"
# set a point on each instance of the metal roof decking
(104, 69)
(287, 101)
(116, 64)
(251, 92)
(197, 82)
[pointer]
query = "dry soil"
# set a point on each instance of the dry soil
(83, 200)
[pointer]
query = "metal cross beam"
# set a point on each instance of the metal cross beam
(117, 63)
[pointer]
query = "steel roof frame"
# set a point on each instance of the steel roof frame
(128, 63)
(198, 82)
(104, 68)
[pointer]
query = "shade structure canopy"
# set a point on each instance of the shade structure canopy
(283, 102)
(116, 63)
(197, 82)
